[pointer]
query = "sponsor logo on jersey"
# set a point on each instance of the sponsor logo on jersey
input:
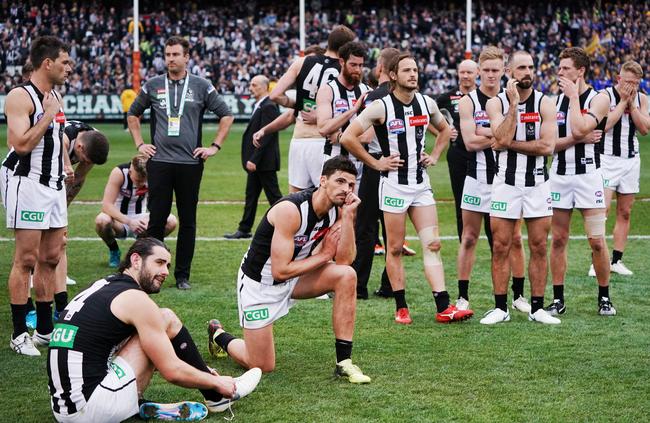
(555, 196)
(499, 206)
(530, 130)
(393, 202)
(32, 216)
(119, 372)
(63, 336)
(598, 193)
(587, 160)
(531, 117)
(60, 118)
(254, 315)
(321, 233)
(470, 199)
(396, 126)
(421, 120)
(300, 240)
(308, 105)
(189, 96)
(481, 118)
(561, 118)
(341, 105)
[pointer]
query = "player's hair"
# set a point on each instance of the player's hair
(142, 247)
(340, 35)
(46, 47)
(633, 67)
(578, 56)
(387, 55)
(393, 66)
(96, 146)
(491, 53)
(517, 53)
(370, 78)
(176, 40)
(139, 164)
(353, 48)
(27, 70)
(336, 163)
(315, 49)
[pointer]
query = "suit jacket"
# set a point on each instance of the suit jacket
(267, 156)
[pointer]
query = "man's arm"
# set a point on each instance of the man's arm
(640, 115)
(582, 125)
(74, 187)
(286, 81)
(18, 107)
(216, 104)
(503, 126)
(444, 130)
(548, 133)
(347, 250)
(328, 124)
(473, 141)
(141, 103)
(285, 218)
(112, 189)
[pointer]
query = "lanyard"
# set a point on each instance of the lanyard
(182, 105)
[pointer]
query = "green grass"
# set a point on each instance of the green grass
(588, 369)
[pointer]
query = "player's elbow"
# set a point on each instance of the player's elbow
(280, 275)
(275, 96)
(171, 373)
(579, 133)
(548, 148)
(643, 130)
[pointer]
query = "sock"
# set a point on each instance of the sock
(113, 246)
(343, 349)
(44, 324)
(463, 288)
(223, 340)
(536, 303)
(30, 304)
(616, 256)
(558, 292)
(442, 300)
(400, 299)
(501, 301)
(60, 301)
(517, 287)
(603, 291)
(186, 350)
(18, 314)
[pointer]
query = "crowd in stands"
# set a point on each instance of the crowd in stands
(234, 41)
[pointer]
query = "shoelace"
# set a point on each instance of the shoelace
(232, 414)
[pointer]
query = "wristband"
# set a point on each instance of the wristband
(214, 144)
(138, 147)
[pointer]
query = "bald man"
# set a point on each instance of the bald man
(261, 160)
(457, 155)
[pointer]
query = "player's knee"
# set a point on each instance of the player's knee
(394, 249)
(172, 323)
(624, 213)
(50, 257)
(469, 240)
(172, 223)
(559, 241)
(597, 244)
(537, 247)
(500, 247)
(26, 261)
(265, 367)
(102, 222)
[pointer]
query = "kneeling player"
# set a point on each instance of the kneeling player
(290, 257)
(124, 207)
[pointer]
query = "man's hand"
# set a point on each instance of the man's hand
(257, 136)
(331, 242)
(138, 225)
(360, 102)
(497, 146)
(250, 166)
(569, 88)
(594, 137)
(51, 105)
(351, 204)
(225, 385)
(427, 160)
(454, 134)
(511, 90)
(392, 162)
(69, 174)
(309, 117)
(626, 92)
(147, 149)
(204, 152)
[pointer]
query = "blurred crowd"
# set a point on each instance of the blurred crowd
(234, 41)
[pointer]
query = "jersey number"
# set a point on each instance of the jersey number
(311, 81)
(77, 302)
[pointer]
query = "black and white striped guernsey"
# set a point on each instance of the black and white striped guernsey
(315, 71)
(44, 163)
(515, 168)
(621, 139)
(83, 342)
(481, 165)
(342, 101)
(403, 132)
(257, 260)
(580, 158)
(131, 200)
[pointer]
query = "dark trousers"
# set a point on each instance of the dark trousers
(255, 182)
(183, 181)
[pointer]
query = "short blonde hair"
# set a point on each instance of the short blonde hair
(491, 53)
(633, 67)
(139, 165)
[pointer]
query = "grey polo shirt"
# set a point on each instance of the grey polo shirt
(201, 96)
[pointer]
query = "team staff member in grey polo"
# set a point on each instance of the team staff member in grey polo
(177, 101)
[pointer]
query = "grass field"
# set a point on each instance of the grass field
(589, 368)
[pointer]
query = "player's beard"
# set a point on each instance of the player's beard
(525, 83)
(148, 282)
(353, 79)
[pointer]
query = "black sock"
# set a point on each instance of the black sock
(223, 340)
(186, 350)
(44, 324)
(113, 246)
(60, 301)
(501, 301)
(616, 256)
(400, 298)
(30, 304)
(463, 288)
(517, 287)
(603, 291)
(18, 314)
(536, 303)
(343, 350)
(442, 300)
(558, 292)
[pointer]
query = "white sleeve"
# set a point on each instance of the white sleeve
(434, 111)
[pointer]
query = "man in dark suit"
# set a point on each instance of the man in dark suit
(261, 162)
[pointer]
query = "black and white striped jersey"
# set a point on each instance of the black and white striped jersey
(257, 260)
(381, 91)
(403, 132)
(580, 158)
(45, 162)
(342, 101)
(315, 71)
(621, 139)
(519, 169)
(131, 200)
(481, 165)
(83, 342)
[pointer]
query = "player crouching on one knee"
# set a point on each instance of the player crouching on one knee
(303, 248)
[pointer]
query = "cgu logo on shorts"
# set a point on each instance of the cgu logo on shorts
(606, 182)
(499, 206)
(63, 336)
(555, 196)
(253, 315)
(469, 199)
(31, 216)
(393, 202)
(119, 372)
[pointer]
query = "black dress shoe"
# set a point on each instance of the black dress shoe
(383, 293)
(238, 235)
(183, 283)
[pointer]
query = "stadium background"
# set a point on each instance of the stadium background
(588, 369)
